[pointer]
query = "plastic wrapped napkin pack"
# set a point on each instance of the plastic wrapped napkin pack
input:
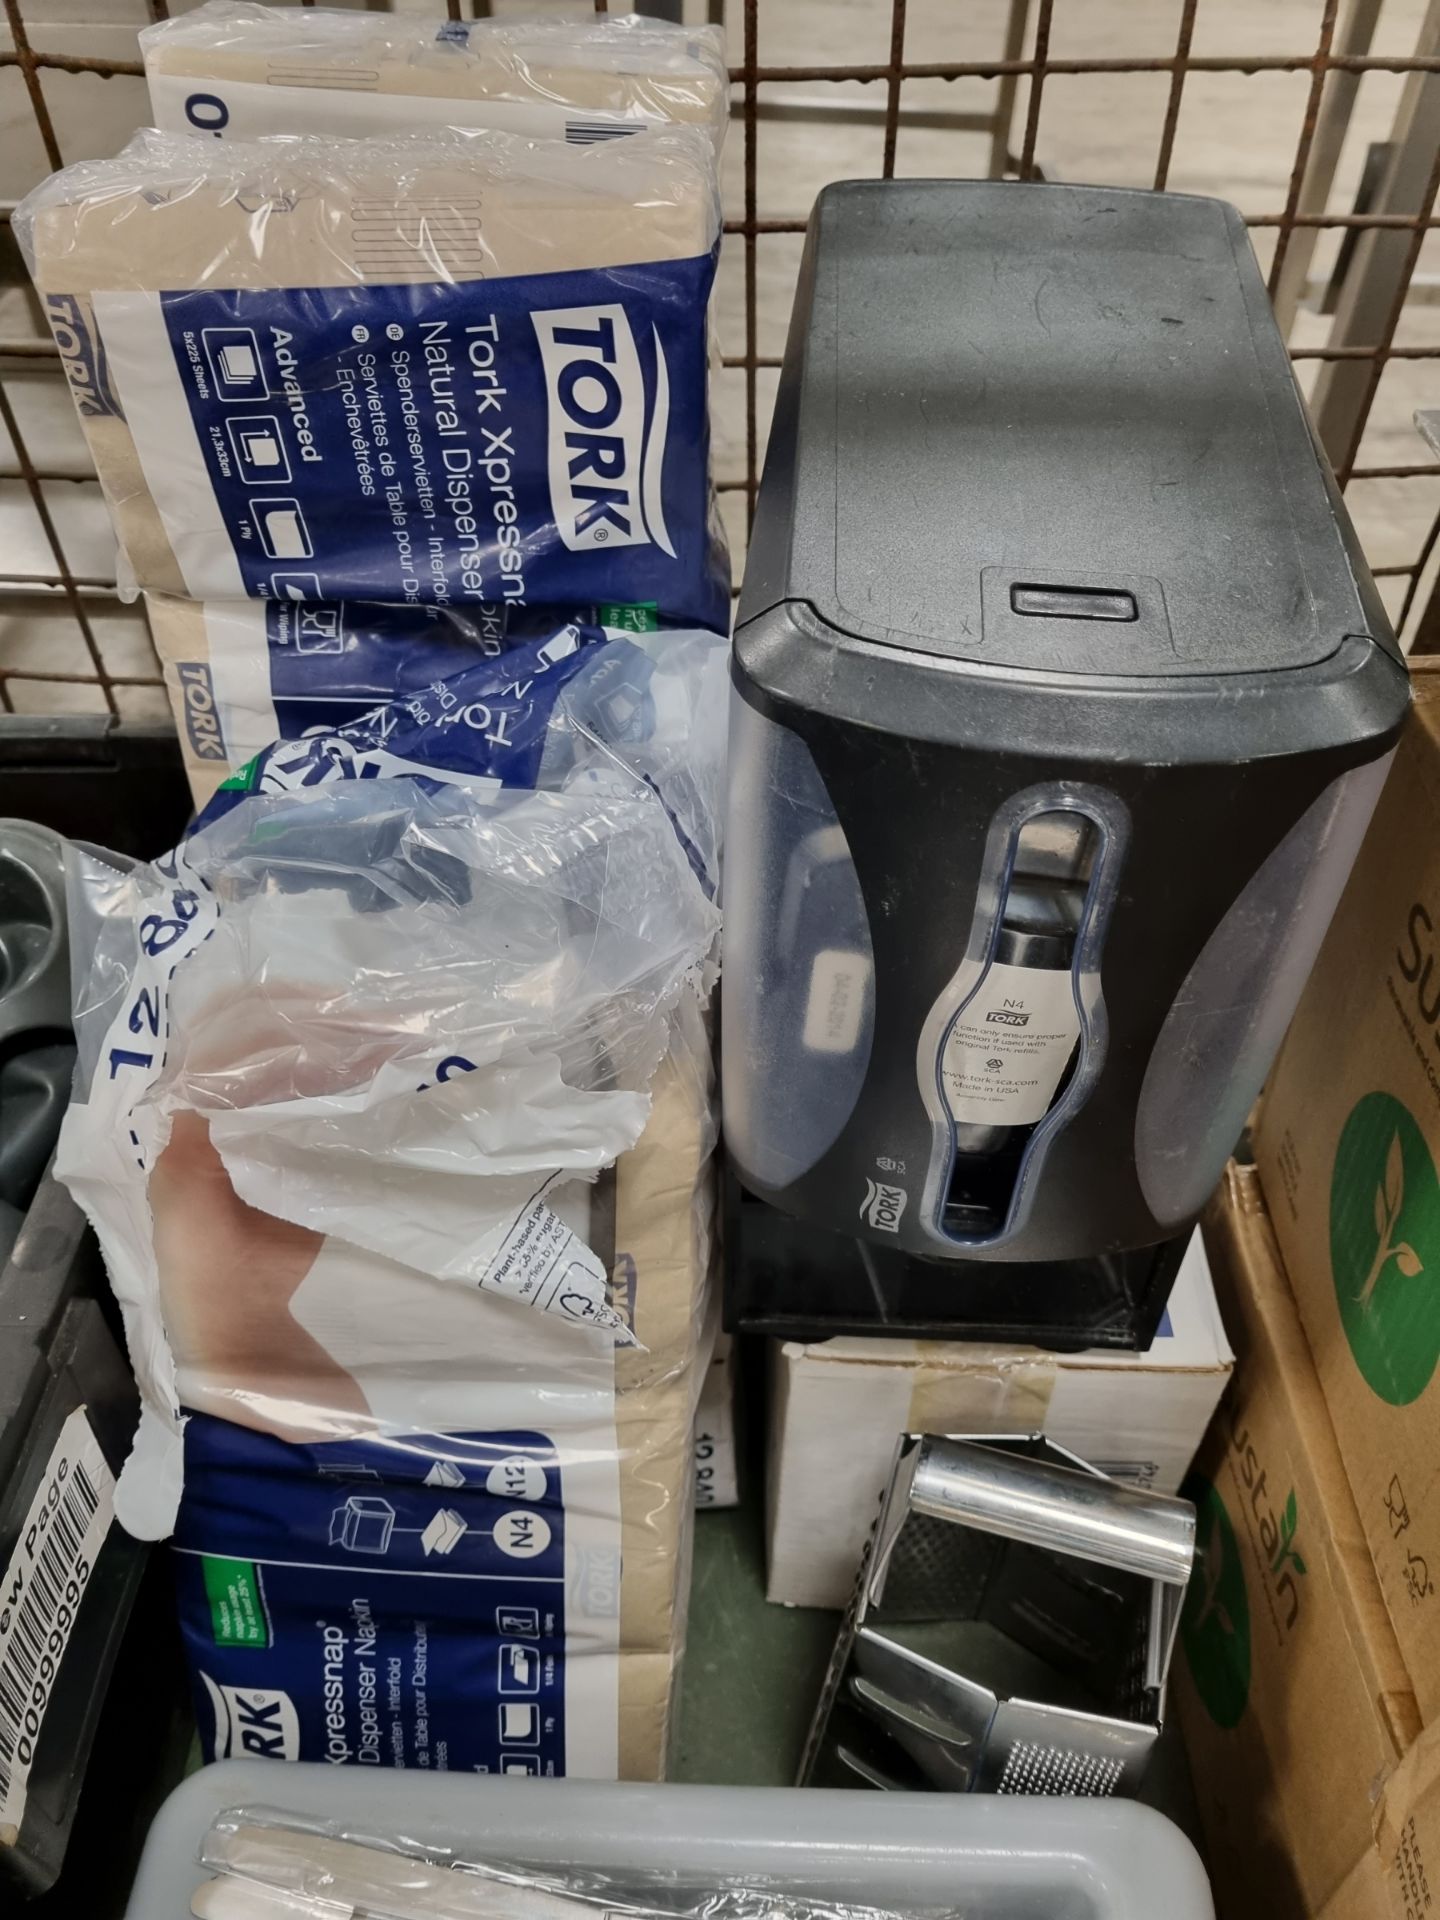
(351, 1060)
(431, 369)
(505, 1592)
(402, 982)
(401, 1045)
(235, 69)
(244, 673)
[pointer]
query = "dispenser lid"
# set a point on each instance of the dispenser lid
(1050, 427)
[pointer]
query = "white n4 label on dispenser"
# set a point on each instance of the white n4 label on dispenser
(1008, 1049)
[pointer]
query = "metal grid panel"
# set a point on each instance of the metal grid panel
(1021, 69)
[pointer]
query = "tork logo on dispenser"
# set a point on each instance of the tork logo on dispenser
(605, 459)
(883, 1206)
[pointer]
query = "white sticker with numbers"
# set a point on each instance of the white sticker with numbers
(54, 1555)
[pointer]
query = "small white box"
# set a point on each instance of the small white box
(717, 1476)
(838, 1406)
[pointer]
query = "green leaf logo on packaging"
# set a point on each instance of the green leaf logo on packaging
(1215, 1624)
(1284, 1554)
(1385, 1247)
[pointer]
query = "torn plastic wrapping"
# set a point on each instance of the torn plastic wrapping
(365, 1038)
(237, 70)
(315, 1871)
(567, 707)
(242, 674)
(411, 1064)
(441, 367)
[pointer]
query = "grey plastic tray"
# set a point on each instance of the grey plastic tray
(986, 1858)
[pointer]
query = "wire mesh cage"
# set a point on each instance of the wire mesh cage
(1319, 118)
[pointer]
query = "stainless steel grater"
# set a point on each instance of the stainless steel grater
(1011, 1627)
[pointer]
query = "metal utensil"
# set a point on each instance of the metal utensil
(1011, 1628)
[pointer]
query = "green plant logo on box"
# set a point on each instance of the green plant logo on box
(1215, 1625)
(1385, 1247)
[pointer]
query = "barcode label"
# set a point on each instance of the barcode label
(40, 1593)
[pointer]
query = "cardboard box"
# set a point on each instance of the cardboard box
(838, 1406)
(1288, 1680)
(1393, 1878)
(1347, 1144)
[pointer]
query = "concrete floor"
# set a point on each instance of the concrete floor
(1236, 137)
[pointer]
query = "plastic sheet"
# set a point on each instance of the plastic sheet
(374, 1030)
(244, 673)
(567, 708)
(416, 1011)
(429, 369)
(236, 70)
(316, 1871)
